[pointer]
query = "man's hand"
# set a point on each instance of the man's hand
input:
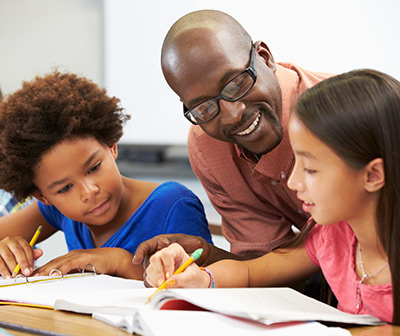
(189, 243)
(210, 253)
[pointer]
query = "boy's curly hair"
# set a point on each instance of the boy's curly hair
(45, 112)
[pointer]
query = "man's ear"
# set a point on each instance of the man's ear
(375, 175)
(39, 196)
(263, 50)
(114, 150)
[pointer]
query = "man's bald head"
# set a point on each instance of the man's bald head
(201, 33)
(213, 20)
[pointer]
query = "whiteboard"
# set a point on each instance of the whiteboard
(328, 36)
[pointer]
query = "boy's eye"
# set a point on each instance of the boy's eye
(65, 189)
(94, 168)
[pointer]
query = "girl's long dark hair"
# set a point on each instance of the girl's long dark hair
(357, 114)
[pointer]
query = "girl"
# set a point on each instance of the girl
(345, 137)
(58, 138)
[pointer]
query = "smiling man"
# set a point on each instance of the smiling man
(239, 101)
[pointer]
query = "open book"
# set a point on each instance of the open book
(125, 300)
(238, 311)
(266, 305)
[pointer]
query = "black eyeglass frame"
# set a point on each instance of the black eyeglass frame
(251, 70)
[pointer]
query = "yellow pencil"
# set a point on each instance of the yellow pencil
(195, 255)
(31, 243)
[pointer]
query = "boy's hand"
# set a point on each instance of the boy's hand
(163, 264)
(106, 260)
(16, 250)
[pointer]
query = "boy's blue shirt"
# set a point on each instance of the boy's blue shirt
(170, 208)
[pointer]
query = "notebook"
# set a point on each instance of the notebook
(86, 289)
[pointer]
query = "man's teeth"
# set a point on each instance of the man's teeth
(251, 127)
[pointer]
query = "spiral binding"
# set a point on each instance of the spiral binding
(61, 275)
(21, 275)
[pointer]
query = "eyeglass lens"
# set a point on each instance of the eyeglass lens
(234, 90)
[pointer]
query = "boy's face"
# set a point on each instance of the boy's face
(81, 179)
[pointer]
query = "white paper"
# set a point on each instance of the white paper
(81, 289)
(196, 323)
(267, 305)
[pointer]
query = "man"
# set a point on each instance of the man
(239, 100)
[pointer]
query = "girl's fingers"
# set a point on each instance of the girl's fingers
(164, 263)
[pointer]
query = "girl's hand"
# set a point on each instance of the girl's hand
(163, 265)
(16, 250)
(107, 260)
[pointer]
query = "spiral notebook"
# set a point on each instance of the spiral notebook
(85, 289)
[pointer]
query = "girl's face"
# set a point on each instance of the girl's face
(331, 191)
(81, 179)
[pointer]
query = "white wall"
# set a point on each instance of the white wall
(38, 36)
(330, 36)
(124, 53)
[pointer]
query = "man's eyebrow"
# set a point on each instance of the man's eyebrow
(62, 181)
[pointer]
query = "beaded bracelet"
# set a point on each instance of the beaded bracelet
(212, 280)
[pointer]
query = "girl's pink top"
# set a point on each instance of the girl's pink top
(332, 248)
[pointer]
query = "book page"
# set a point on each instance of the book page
(83, 288)
(195, 323)
(267, 305)
(109, 301)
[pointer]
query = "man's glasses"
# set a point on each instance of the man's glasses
(232, 91)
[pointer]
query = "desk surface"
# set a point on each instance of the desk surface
(57, 323)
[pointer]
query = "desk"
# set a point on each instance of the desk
(57, 323)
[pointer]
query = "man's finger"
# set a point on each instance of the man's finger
(163, 242)
(142, 251)
(149, 247)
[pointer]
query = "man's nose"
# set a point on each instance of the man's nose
(231, 113)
